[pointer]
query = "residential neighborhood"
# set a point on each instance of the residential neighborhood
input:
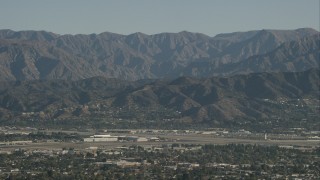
(158, 154)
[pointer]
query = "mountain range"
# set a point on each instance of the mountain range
(184, 77)
(219, 99)
(37, 55)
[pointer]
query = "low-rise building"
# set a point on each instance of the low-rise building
(101, 138)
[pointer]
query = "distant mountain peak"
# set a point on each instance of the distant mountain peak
(44, 55)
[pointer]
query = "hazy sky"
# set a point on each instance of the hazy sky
(154, 16)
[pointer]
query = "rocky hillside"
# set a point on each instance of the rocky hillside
(34, 55)
(252, 96)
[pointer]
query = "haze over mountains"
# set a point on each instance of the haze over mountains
(218, 99)
(31, 55)
(187, 77)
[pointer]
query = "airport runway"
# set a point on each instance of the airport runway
(170, 139)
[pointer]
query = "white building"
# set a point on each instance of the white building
(101, 138)
(142, 139)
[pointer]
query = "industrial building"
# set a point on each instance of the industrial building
(101, 138)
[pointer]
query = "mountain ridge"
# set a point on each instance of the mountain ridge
(44, 55)
(250, 96)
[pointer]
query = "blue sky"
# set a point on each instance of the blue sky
(155, 16)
